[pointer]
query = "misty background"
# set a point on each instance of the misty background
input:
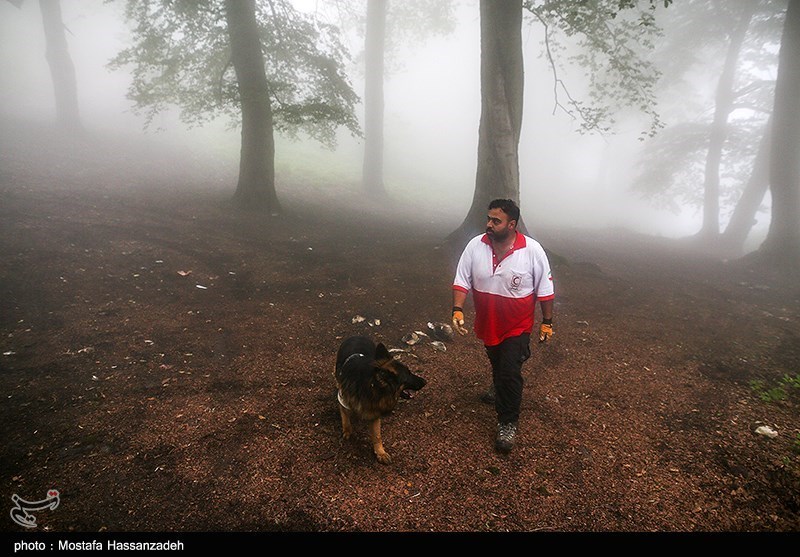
(432, 109)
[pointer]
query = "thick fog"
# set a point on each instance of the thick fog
(432, 111)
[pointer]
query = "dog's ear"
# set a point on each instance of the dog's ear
(381, 353)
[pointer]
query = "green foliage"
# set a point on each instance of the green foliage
(180, 56)
(614, 38)
(792, 382)
(785, 386)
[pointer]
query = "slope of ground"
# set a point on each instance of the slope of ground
(166, 365)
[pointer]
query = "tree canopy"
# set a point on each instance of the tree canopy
(180, 56)
(614, 39)
(698, 35)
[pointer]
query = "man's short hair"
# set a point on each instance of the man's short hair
(507, 206)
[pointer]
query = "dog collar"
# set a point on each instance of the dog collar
(350, 357)
(339, 394)
(341, 400)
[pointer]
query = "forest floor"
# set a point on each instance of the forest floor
(166, 363)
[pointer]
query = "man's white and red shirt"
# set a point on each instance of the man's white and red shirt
(504, 291)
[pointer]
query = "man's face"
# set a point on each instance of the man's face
(498, 226)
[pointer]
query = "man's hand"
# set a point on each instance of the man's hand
(545, 332)
(458, 321)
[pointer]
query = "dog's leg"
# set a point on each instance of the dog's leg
(347, 428)
(377, 443)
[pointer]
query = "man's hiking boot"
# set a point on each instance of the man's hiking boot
(506, 434)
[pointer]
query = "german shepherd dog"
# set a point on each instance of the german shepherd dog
(370, 382)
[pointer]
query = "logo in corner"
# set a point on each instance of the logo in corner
(516, 280)
(21, 512)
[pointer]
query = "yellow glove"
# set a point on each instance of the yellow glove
(545, 332)
(458, 321)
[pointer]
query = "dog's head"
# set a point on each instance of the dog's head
(399, 371)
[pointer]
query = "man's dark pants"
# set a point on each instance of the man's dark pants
(507, 359)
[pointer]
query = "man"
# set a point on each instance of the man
(507, 273)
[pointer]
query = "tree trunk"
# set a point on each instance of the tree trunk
(256, 187)
(61, 68)
(502, 81)
(783, 238)
(744, 215)
(719, 127)
(373, 98)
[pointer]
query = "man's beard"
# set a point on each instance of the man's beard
(498, 237)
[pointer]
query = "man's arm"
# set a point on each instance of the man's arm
(459, 297)
(547, 309)
(461, 286)
(546, 328)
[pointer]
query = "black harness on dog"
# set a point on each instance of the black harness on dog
(344, 363)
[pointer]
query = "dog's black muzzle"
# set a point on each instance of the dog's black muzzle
(411, 381)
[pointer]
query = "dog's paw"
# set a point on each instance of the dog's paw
(384, 458)
(346, 434)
